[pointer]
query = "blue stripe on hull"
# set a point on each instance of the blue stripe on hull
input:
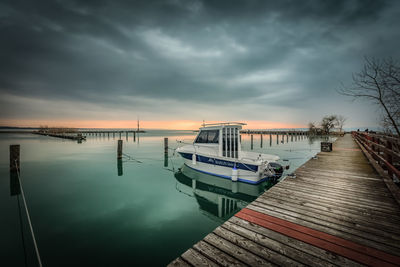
(228, 177)
(219, 162)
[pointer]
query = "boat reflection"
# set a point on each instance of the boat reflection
(218, 198)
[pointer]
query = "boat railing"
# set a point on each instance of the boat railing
(223, 124)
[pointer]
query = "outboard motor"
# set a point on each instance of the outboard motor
(277, 170)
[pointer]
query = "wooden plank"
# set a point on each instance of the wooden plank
(272, 244)
(305, 248)
(331, 206)
(236, 251)
(179, 262)
(195, 258)
(354, 251)
(380, 202)
(332, 229)
(213, 253)
(365, 219)
(264, 252)
(344, 187)
(344, 225)
(337, 201)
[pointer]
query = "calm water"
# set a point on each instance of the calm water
(87, 209)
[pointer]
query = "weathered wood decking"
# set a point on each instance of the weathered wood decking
(336, 212)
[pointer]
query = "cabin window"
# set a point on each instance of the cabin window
(208, 137)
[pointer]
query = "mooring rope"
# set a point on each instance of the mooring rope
(28, 216)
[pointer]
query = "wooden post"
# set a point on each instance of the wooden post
(277, 138)
(119, 134)
(287, 137)
(14, 163)
(270, 139)
(166, 145)
(389, 157)
(108, 134)
(113, 134)
(261, 143)
(14, 158)
(119, 151)
(126, 135)
(251, 142)
(134, 136)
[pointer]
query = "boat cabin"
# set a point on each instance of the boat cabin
(224, 137)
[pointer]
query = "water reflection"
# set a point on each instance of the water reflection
(217, 198)
(120, 167)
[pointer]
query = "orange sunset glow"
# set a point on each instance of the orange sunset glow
(168, 125)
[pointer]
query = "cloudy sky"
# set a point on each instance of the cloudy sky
(269, 63)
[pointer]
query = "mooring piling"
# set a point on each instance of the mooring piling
(251, 146)
(119, 150)
(166, 145)
(14, 158)
(14, 166)
(261, 141)
(277, 139)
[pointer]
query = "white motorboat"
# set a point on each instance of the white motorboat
(217, 151)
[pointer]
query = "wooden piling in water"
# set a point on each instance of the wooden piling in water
(166, 145)
(277, 139)
(261, 142)
(270, 139)
(14, 157)
(251, 146)
(134, 136)
(14, 166)
(119, 150)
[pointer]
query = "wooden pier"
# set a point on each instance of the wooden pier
(337, 211)
(70, 136)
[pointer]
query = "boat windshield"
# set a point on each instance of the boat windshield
(208, 137)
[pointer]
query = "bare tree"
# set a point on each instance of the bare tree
(340, 120)
(312, 128)
(379, 81)
(328, 123)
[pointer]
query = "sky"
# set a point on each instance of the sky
(173, 64)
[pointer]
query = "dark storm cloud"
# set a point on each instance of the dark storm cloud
(124, 53)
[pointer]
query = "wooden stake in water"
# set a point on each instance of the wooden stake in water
(14, 158)
(261, 143)
(166, 145)
(14, 166)
(251, 146)
(119, 151)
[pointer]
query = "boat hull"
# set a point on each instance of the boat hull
(223, 168)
